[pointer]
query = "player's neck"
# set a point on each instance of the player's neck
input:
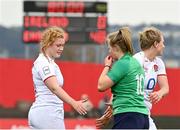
(120, 55)
(49, 56)
(149, 55)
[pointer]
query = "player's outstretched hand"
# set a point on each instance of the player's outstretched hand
(78, 106)
(104, 119)
(108, 112)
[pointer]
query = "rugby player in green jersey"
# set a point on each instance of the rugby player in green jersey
(125, 78)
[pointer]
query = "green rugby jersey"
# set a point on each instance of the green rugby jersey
(128, 88)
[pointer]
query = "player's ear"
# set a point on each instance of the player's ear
(155, 44)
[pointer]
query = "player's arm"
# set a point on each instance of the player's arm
(52, 84)
(164, 89)
(163, 84)
(104, 81)
(109, 112)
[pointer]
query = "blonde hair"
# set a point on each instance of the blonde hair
(148, 36)
(122, 38)
(49, 36)
(111, 36)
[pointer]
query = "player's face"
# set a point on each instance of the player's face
(57, 48)
(160, 46)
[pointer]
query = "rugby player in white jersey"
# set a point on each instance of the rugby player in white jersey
(47, 111)
(152, 46)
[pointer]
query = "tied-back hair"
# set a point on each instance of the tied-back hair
(49, 36)
(110, 36)
(123, 40)
(148, 36)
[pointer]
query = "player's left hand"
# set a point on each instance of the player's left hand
(155, 97)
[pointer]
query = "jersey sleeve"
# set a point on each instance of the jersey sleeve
(117, 71)
(45, 70)
(161, 67)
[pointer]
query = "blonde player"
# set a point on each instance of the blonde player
(47, 111)
(152, 45)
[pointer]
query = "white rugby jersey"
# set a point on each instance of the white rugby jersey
(152, 69)
(43, 68)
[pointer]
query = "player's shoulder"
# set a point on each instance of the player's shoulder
(159, 61)
(139, 57)
(158, 58)
(139, 54)
(41, 60)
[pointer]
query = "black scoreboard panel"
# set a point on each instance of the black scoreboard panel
(79, 28)
(65, 6)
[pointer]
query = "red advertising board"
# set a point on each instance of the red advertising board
(16, 84)
(74, 124)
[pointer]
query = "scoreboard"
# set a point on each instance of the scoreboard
(83, 21)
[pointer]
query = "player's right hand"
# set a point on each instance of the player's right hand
(109, 111)
(102, 121)
(108, 60)
(78, 106)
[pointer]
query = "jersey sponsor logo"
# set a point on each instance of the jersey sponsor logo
(46, 70)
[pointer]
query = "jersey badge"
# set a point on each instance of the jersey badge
(46, 70)
(155, 68)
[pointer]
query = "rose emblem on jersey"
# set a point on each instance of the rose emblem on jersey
(155, 68)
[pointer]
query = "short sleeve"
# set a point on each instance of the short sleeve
(161, 67)
(45, 70)
(117, 71)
